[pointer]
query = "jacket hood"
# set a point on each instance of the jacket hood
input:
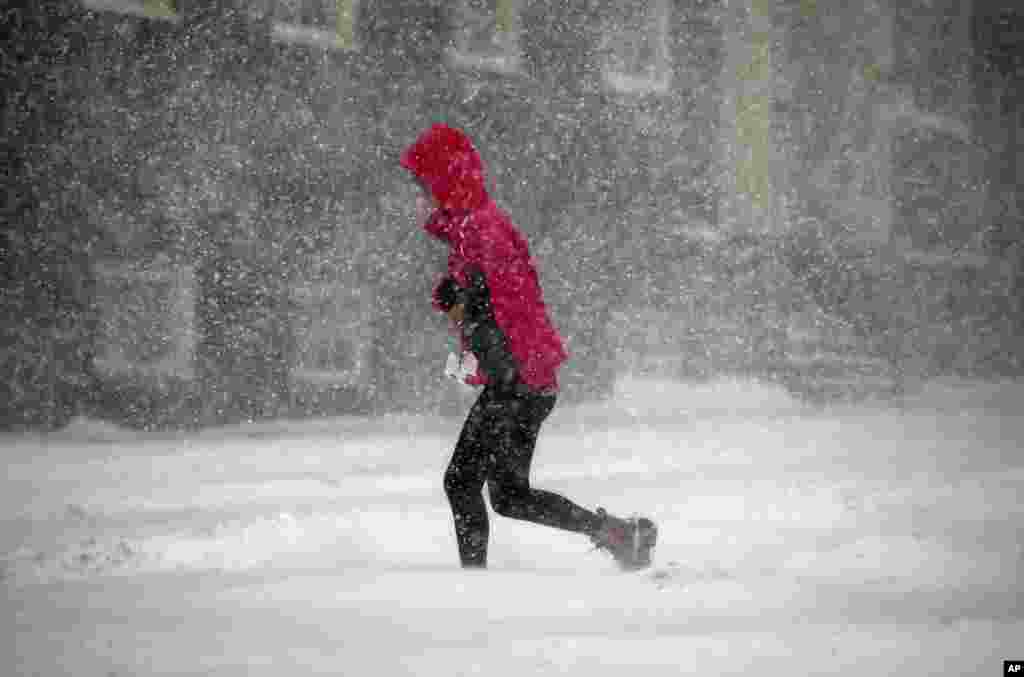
(444, 160)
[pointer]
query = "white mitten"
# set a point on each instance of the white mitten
(460, 366)
(469, 366)
(451, 367)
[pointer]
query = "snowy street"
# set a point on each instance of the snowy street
(856, 541)
(752, 271)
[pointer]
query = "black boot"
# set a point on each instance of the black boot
(630, 541)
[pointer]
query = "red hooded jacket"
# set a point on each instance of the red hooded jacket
(479, 234)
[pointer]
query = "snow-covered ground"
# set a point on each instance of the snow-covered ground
(860, 541)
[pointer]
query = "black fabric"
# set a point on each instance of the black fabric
(496, 447)
(485, 338)
(446, 294)
(476, 296)
(488, 343)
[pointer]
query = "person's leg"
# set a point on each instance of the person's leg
(463, 484)
(509, 480)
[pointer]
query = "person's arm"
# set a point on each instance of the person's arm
(490, 346)
(487, 341)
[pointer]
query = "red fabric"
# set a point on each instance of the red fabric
(479, 234)
(444, 159)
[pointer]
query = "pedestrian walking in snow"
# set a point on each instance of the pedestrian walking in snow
(492, 295)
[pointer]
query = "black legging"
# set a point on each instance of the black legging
(496, 446)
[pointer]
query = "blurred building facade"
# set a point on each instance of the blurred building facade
(710, 186)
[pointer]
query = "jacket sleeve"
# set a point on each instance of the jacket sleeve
(487, 341)
(490, 346)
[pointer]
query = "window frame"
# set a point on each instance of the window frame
(178, 314)
(664, 73)
(313, 36)
(130, 8)
(460, 55)
(280, 31)
(325, 314)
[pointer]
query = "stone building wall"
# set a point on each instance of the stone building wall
(678, 153)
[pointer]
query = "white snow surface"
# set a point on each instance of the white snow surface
(866, 540)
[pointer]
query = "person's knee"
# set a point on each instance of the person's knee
(453, 483)
(507, 499)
